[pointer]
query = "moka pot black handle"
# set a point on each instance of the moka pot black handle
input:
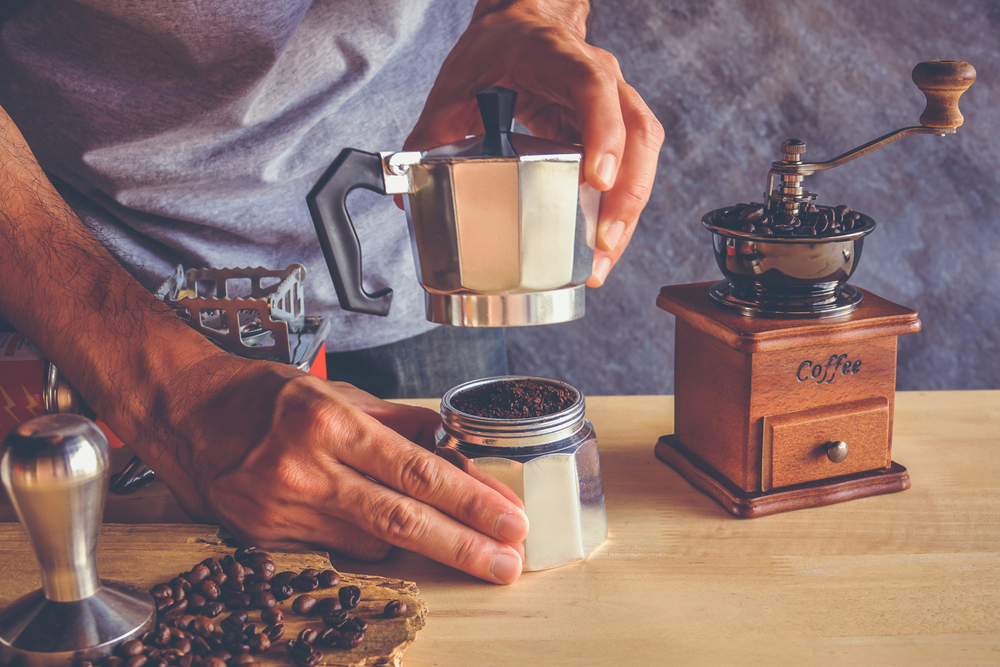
(337, 237)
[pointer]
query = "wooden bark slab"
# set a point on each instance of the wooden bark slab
(145, 555)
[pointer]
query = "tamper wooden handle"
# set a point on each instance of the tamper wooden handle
(942, 83)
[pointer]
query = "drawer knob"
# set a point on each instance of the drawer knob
(836, 451)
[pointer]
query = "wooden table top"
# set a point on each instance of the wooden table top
(911, 578)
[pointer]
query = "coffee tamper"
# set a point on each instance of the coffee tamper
(55, 469)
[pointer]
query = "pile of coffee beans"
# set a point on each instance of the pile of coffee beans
(188, 634)
(821, 221)
(514, 399)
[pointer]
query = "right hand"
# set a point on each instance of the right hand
(285, 460)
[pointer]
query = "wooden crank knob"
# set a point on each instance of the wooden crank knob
(942, 83)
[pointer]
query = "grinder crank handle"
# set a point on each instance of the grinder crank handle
(942, 83)
(337, 237)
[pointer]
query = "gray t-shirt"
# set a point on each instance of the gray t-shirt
(190, 132)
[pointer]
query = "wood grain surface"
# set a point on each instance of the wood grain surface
(148, 554)
(910, 578)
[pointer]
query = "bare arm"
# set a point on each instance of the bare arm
(281, 458)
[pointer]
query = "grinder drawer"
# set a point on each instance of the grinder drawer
(796, 444)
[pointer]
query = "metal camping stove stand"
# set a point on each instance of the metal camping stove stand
(785, 375)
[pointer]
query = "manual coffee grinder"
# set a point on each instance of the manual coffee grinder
(784, 374)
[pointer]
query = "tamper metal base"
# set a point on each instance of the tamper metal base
(506, 310)
(37, 632)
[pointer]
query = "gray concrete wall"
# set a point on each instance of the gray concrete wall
(731, 80)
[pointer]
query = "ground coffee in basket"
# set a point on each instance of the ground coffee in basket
(514, 399)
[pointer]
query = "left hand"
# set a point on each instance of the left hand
(568, 91)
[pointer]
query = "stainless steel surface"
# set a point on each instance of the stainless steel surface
(502, 227)
(552, 463)
(788, 275)
(252, 312)
(55, 470)
(506, 310)
(837, 451)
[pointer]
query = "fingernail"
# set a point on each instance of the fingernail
(511, 527)
(505, 568)
(602, 268)
(606, 169)
(611, 234)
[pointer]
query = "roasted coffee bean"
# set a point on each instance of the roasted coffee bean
(395, 609)
(232, 570)
(256, 559)
(82, 663)
(265, 571)
(234, 622)
(181, 583)
(171, 655)
(350, 596)
(210, 590)
(262, 601)
(335, 619)
(358, 623)
(162, 635)
(308, 635)
(350, 639)
(219, 578)
(160, 591)
(163, 603)
(203, 626)
(256, 587)
(751, 214)
(309, 572)
(272, 616)
(326, 605)
(311, 660)
(150, 651)
(212, 609)
(199, 646)
(156, 662)
(303, 604)
(250, 631)
(283, 578)
(237, 601)
(112, 661)
(182, 644)
(282, 592)
(196, 601)
(198, 574)
(275, 632)
(328, 636)
(213, 565)
(242, 659)
(232, 639)
(299, 649)
(244, 553)
(136, 661)
(177, 607)
(130, 648)
(186, 660)
(212, 661)
(259, 644)
(305, 583)
(223, 654)
(328, 578)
